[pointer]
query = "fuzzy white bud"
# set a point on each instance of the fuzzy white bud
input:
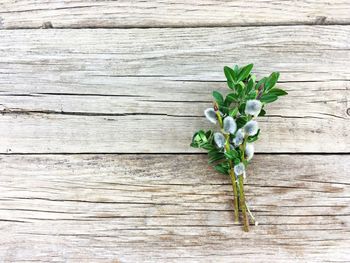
(210, 114)
(239, 137)
(249, 151)
(219, 139)
(251, 128)
(230, 125)
(239, 169)
(253, 107)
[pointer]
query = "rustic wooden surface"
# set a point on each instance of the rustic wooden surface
(160, 13)
(98, 103)
(146, 208)
(104, 86)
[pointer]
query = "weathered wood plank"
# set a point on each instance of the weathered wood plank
(301, 53)
(98, 90)
(167, 208)
(82, 14)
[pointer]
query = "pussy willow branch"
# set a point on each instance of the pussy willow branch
(239, 110)
(241, 193)
(234, 185)
(232, 175)
(242, 204)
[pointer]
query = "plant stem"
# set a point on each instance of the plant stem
(242, 204)
(233, 179)
(251, 215)
(216, 108)
(241, 193)
(232, 175)
(235, 194)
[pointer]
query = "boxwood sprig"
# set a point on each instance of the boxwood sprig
(231, 149)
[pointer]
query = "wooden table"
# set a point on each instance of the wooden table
(99, 100)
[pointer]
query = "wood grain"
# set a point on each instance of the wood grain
(159, 13)
(146, 71)
(122, 91)
(157, 208)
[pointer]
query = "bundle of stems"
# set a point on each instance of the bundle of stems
(231, 148)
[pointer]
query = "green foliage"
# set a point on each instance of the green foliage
(262, 113)
(233, 112)
(253, 138)
(230, 147)
(203, 140)
(244, 72)
(231, 154)
(232, 97)
(223, 168)
(260, 83)
(277, 92)
(243, 87)
(271, 80)
(241, 121)
(218, 97)
(268, 98)
(230, 76)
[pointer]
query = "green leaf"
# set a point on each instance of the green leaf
(240, 89)
(268, 98)
(242, 108)
(236, 161)
(241, 121)
(232, 154)
(218, 97)
(252, 77)
(272, 80)
(216, 158)
(202, 136)
(230, 76)
(229, 73)
(194, 145)
(251, 95)
(222, 168)
(210, 135)
(208, 146)
(244, 72)
(250, 86)
(253, 138)
(199, 139)
(224, 109)
(261, 82)
(213, 152)
(262, 112)
(203, 140)
(233, 112)
(277, 92)
(236, 70)
(232, 97)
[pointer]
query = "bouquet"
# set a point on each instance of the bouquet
(231, 147)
